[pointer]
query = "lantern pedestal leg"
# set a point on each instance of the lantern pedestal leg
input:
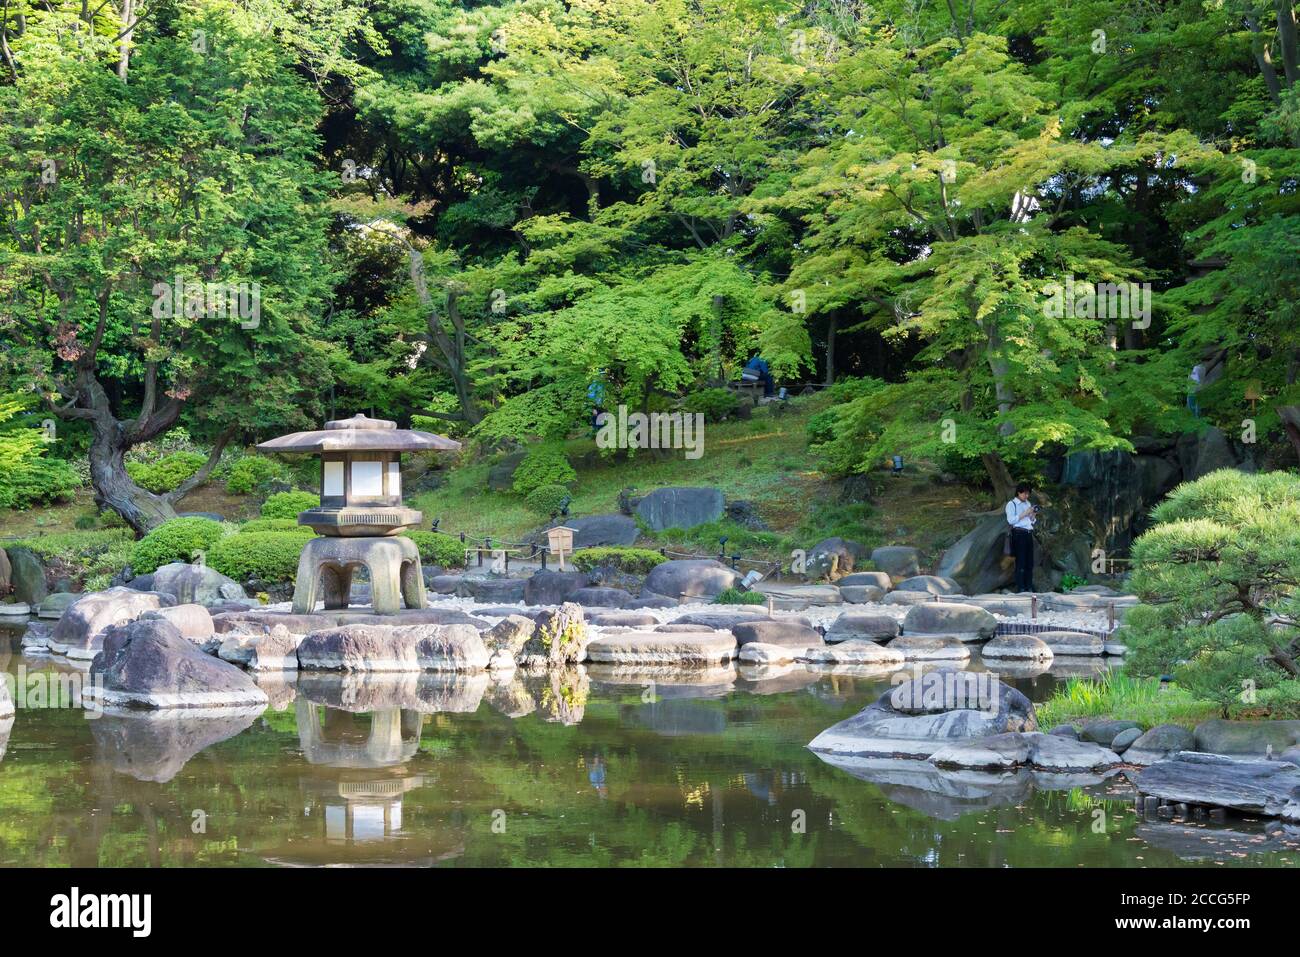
(326, 566)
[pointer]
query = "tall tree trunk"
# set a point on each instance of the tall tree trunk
(1004, 484)
(139, 508)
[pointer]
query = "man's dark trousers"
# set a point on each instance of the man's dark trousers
(1022, 547)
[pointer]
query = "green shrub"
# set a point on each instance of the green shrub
(174, 541)
(270, 557)
(1118, 695)
(165, 474)
(289, 504)
(1070, 581)
(547, 499)
(633, 561)
(437, 548)
(251, 471)
(545, 464)
(716, 404)
(275, 525)
(27, 475)
(1213, 572)
(103, 551)
(734, 596)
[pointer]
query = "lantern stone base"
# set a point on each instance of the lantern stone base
(326, 566)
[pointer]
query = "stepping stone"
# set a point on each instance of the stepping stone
(17, 609)
(1068, 643)
(855, 652)
(759, 653)
(600, 596)
(929, 584)
(789, 634)
(861, 594)
(907, 598)
(499, 590)
(625, 619)
(657, 647)
(1104, 730)
(444, 584)
(858, 624)
(950, 618)
(870, 579)
(1021, 647)
(55, 604)
(931, 648)
(897, 561)
(1115, 648)
(720, 619)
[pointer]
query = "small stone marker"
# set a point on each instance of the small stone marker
(560, 540)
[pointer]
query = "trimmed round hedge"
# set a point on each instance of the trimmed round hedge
(275, 525)
(174, 541)
(250, 471)
(289, 504)
(437, 548)
(270, 557)
(633, 561)
(546, 499)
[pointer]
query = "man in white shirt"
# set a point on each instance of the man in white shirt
(1020, 517)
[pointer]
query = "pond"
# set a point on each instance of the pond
(604, 768)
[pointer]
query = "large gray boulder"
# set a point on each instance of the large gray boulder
(861, 594)
(1073, 643)
(1200, 453)
(897, 561)
(919, 716)
(192, 584)
(1104, 730)
(600, 597)
(55, 604)
(977, 561)
(680, 508)
(787, 634)
(1247, 785)
(27, 576)
(550, 587)
(1257, 738)
(930, 585)
(949, 618)
(624, 619)
(691, 578)
(259, 620)
(509, 635)
(79, 633)
(906, 598)
(149, 664)
(594, 531)
(853, 625)
(1010, 750)
(1162, 742)
(407, 648)
(855, 651)
(192, 621)
(879, 580)
(273, 651)
(833, 558)
(559, 639)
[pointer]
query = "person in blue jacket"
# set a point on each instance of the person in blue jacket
(756, 370)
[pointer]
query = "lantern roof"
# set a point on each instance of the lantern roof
(360, 434)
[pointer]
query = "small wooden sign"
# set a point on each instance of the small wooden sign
(560, 540)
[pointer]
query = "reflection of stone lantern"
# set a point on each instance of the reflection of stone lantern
(360, 513)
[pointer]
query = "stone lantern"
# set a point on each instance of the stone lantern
(360, 513)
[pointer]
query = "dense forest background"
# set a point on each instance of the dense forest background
(464, 214)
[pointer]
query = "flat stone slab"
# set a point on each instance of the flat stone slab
(930, 585)
(624, 619)
(931, 648)
(950, 618)
(907, 598)
(657, 647)
(1075, 643)
(409, 648)
(1032, 749)
(1017, 647)
(55, 604)
(790, 634)
(1006, 605)
(862, 594)
(853, 625)
(265, 620)
(879, 580)
(1247, 785)
(857, 651)
(897, 561)
(16, 609)
(492, 590)
(759, 653)
(720, 619)
(796, 597)
(601, 597)
(680, 507)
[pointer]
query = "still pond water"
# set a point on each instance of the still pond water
(576, 770)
